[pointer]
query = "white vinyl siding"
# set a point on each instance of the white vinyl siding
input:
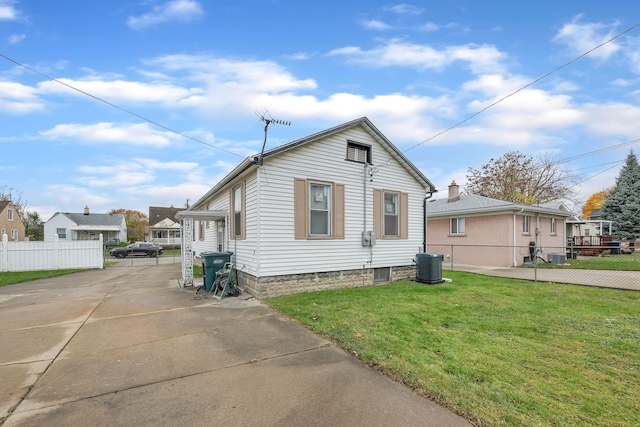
(271, 248)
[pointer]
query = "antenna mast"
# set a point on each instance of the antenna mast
(265, 116)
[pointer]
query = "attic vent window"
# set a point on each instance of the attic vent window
(358, 152)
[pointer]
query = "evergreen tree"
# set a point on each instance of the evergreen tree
(622, 206)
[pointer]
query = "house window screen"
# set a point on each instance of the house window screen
(457, 226)
(391, 214)
(319, 209)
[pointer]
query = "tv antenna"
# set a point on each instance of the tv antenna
(265, 116)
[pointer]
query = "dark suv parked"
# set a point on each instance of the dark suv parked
(137, 249)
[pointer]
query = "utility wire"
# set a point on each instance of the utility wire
(118, 107)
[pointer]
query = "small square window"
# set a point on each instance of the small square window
(358, 153)
(62, 233)
(382, 275)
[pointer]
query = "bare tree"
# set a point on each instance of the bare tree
(516, 177)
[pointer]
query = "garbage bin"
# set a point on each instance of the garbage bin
(615, 250)
(211, 263)
(429, 268)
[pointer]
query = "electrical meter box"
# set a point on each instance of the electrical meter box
(368, 238)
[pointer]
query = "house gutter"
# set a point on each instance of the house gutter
(515, 264)
(424, 218)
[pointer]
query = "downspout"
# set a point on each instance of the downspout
(515, 263)
(424, 222)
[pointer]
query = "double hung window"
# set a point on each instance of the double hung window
(456, 226)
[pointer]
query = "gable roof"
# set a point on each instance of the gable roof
(158, 213)
(4, 204)
(471, 204)
(93, 219)
(252, 161)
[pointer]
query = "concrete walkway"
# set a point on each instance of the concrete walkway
(598, 278)
(126, 346)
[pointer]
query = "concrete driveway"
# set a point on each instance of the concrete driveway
(128, 346)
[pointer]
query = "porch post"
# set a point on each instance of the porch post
(187, 252)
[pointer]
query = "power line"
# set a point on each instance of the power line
(118, 107)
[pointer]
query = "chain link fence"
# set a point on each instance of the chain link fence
(613, 266)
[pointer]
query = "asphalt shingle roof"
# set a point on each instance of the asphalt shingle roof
(471, 203)
(95, 219)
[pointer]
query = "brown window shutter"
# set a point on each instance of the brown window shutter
(231, 215)
(243, 216)
(378, 216)
(300, 208)
(338, 211)
(404, 215)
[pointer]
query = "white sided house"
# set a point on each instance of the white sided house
(342, 207)
(86, 226)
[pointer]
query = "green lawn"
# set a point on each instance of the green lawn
(501, 351)
(630, 262)
(10, 278)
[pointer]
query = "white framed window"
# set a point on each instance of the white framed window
(62, 233)
(3, 232)
(586, 232)
(10, 214)
(319, 209)
(456, 226)
(237, 214)
(14, 234)
(358, 152)
(391, 223)
(526, 220)
(553, 226)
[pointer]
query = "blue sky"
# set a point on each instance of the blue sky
(203, 69)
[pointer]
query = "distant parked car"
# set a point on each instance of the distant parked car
(137, 249)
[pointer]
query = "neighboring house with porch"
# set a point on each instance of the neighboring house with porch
(479, 230)
(342, 207)
(86, 226)
(164, 229)
(10, 223)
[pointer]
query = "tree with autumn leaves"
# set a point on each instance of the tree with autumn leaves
(516, 177)
(595, 201)
(136, 221)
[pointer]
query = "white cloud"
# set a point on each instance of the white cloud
(132, 134)
(581, 37)
(172, 11)
(481, 58)
(16, 98)
(428, 27)
(16, 38)
(404, 9)
(117, 90)
(375, 24)
(7, 11)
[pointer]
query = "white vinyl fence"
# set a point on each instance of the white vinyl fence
(56, 255)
